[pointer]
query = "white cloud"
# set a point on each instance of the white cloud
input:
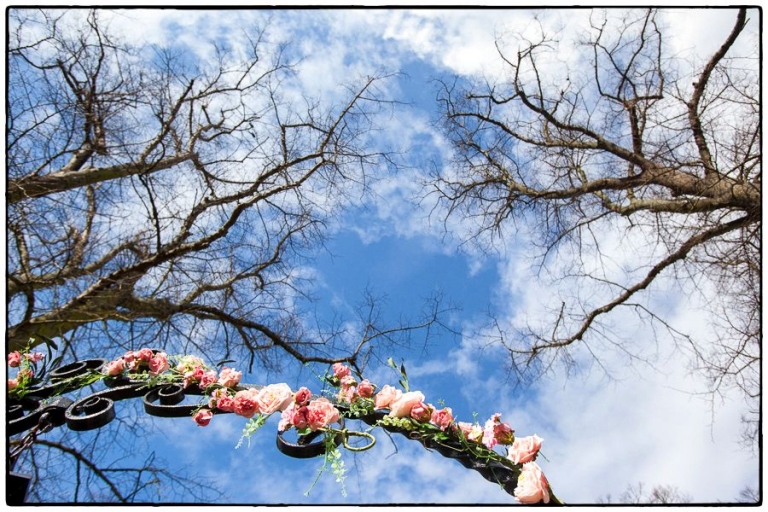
(600, 434)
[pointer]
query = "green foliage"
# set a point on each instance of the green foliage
(253, 425)
(401, 370)
(360, 407)
(331, 459)
(391, 421)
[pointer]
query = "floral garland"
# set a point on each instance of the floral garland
(306, 413)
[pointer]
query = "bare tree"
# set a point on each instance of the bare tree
(750, 495)
(637, 494)
(77, 467)
(627, 144)
(154, 198)
(158, 200)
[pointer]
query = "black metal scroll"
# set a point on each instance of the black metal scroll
(97, 409)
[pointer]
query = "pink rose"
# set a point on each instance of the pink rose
(341, 371)
(524, 449)
(532, 486)
(14, 359)
(34, 357)
(422, 412)
(503, 433)
(12, 384)
(275, 397)
(401, 407)
(144, 355)
(320, 413)
(386, 396)
(115, 367)
(294, 415)
(129, 356)
(229, 377)
(245, 403)
(496, 432)
(202, 417)
(158, 364)
(226, 404)
(303, 396)
(208, 379)
(194, 375)
(365, 389)
(215, 395)
(442, 418)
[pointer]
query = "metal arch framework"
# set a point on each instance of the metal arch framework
(45, 407)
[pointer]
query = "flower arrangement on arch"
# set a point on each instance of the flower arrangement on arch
(387, 407)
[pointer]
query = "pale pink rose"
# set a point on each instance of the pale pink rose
(365, 389)
(131, 359)
(320, 413)
(285, 419)
(476, 434)
(341, 371)
(144, 355)
(303, 396)
(422, 412)
(348, 381)
(347, 394)
(524, 449)
(401, 407)
(114, 368)
(386, 396)
(158, 364)
(202, 417)
(12, 384)
(188, 363)
(275, 397)
(245, 403)
(532, 486)
(442, 418)
(229, 377)
(472, 432)
(14, 359)
(34, 357)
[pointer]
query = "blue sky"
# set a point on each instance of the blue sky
(640, 423)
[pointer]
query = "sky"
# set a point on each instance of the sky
(603, 430)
